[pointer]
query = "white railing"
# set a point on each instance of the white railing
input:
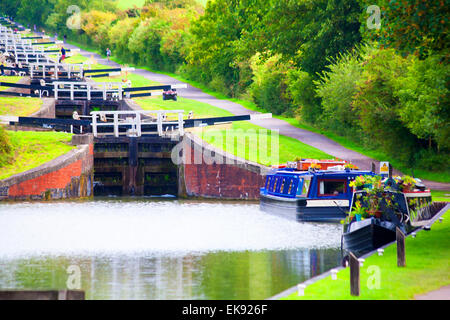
(73, 70)
(135, 119)
(114, 89)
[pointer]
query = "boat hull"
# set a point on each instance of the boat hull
(369, 235)
(302, 209)
(321, 214)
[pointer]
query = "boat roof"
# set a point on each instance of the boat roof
(319, 173)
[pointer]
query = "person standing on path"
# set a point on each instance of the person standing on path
(65, 39)
(108, 53)
(63, 54)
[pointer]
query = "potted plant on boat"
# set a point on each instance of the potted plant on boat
(358, 212)
(374, 195)
(407, 183)
(360, 182)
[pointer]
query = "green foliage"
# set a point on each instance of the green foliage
(6, 155)
(303, 92)
(411, 26)
(377, 106)
(336, 89)
(269, 84)
(424, 99)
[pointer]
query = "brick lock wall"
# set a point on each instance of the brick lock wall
(227, 181)
(73, 180)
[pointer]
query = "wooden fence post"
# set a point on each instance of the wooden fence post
(401, 258)
(354, 275)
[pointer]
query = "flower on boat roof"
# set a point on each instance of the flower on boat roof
(350, 166)
(315, 166)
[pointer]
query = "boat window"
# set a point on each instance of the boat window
(290, 186)
(333, 187)
(268, 180)
(282, 185)
(300, 186)
(274, 183)
(306, 187)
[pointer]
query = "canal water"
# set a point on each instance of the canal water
(160, 249)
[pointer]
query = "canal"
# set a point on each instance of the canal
(160, 248)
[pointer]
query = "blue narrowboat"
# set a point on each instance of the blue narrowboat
(314, 195)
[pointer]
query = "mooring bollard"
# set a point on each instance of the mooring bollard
(334, 274)
(354, 275)
(401, 259)
(380, 252)
(301, 290)
(361, 261)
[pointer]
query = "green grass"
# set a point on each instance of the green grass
(19, 106)
(10, 79)
(201, 110)
(32, 149)
(289, 148)
(440, 195)
(427, 269)
(136, 80)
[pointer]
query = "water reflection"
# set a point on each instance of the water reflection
(161, 250)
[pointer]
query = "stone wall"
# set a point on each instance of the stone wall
(230, 178)
(68, 176)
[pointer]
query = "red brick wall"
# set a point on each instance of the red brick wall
(70, 176)
(227, 181)
(222, 181)
(53, 180)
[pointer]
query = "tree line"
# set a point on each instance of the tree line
(319, 60)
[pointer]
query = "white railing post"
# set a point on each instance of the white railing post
(72, 94)
(94, 124)
(116, 125)
(138, 124)
(180, 123)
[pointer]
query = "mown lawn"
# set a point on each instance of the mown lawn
(244, 133)
(439, 195)
(10, 79)
(427, 269)
(19, 106)
(31, 149)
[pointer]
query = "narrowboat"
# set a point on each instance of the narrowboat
(407, 210)
(313, 195)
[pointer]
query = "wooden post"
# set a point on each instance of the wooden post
(354, 275)
(401, 258)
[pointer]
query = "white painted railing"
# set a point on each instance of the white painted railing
(135, 120)
(73, 70)
(108, 89)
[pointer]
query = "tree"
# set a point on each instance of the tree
(411, 26)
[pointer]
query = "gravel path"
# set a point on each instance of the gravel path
(314, 139)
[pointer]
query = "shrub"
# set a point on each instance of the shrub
(268, 89)
(6, 149)
(336, 89)
(303, 93)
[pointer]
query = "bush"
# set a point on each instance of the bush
(377, 106)
(6, 150)
(336, 89)
(302, 90)
(268, 89)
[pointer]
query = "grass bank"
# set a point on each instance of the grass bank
(29, 149)
(244, 134)
(427, 269)
(19, 106)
